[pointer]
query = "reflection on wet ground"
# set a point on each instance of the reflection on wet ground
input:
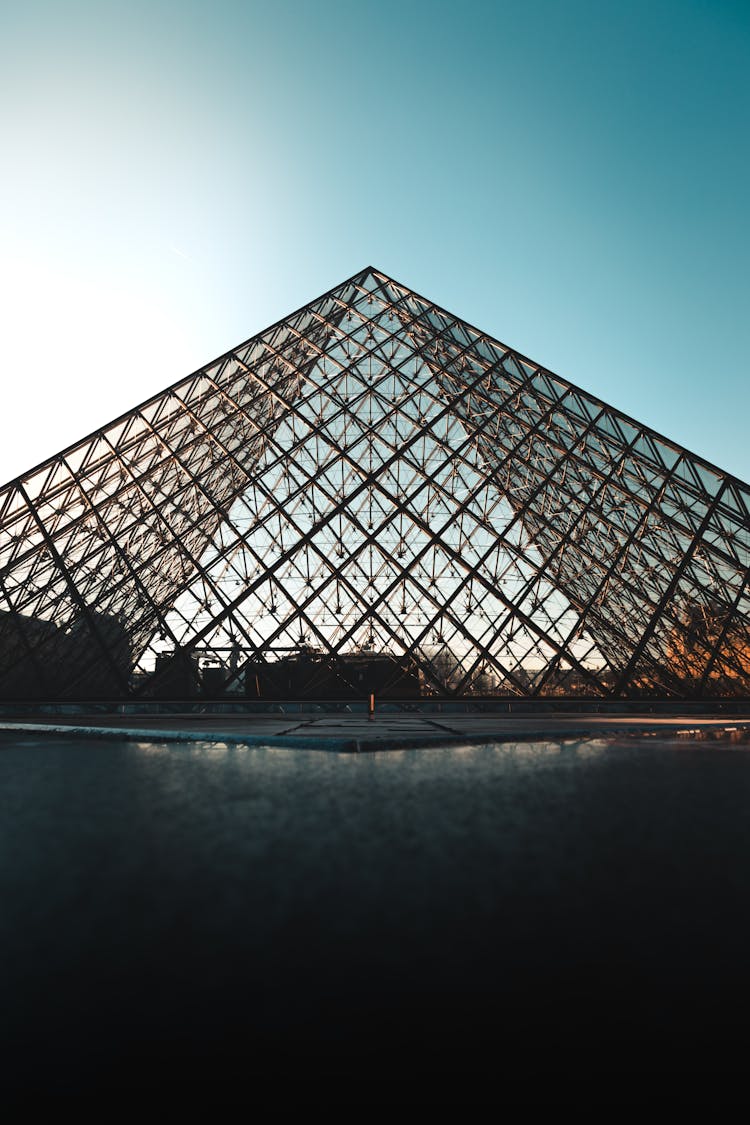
(218, 907)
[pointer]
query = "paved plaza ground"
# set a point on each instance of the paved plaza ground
(392, 729)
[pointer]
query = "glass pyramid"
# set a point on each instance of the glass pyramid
(372, 495)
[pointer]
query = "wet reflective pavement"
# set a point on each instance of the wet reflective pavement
(208, 914)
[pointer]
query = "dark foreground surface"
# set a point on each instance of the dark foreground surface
(194, 917)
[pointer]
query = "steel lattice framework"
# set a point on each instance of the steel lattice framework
(373, 476)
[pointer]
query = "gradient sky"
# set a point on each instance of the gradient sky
(571, 177)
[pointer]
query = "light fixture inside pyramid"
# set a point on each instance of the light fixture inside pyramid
(372, 492)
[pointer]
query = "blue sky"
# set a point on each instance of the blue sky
(570, 177)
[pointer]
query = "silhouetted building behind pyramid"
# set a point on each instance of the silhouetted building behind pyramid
(372, 495)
